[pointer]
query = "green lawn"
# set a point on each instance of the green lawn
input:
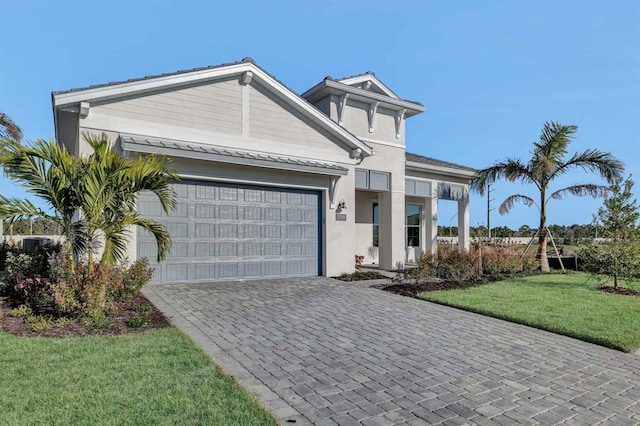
(566, 304)
(157, 377)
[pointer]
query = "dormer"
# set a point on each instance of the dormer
(365, 106)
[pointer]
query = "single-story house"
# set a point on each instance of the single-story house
(273, 184)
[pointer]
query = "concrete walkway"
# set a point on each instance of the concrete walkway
(320, 351)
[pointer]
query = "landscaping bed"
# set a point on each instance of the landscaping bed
(412, 290)
(134, 315)
(361, 276)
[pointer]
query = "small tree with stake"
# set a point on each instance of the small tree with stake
(619, 257)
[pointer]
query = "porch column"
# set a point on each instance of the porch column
(392, 239)
(463, 223)
(430, 225)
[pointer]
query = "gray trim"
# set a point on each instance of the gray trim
(373, 180)
(362, 179)
(417, 187)
(210, 153)
(415, 158)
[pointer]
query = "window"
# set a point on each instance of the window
(413, 225)
(376, 225)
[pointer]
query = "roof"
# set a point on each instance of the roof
(148, 77)
(369, 76)
(415, 158)
(140, 143)
(337, 87)
(73, 98)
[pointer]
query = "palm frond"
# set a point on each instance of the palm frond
(16, 209)
(158, 230)
(9, 129)
(509, 169)
(593, 160)
(581, 191)
(508, 204)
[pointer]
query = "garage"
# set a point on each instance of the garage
(225, 231)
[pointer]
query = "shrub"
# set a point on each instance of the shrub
(21, 311)
(498, 262)
(96, 294)
(40, 323)
(5, 249)
(137, 321)
(63, 322)
(457, 265)
(359, 258)
(141, 307)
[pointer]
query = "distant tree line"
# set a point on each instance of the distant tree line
(567, 233)
(37, 226)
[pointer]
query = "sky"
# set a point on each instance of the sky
(490, 73)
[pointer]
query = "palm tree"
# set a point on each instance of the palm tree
(547, 163)
(108, 192)
(48, 171)
(92, 197)
(8, 129)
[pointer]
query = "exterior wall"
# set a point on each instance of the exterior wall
(272, 119)
(392, 250)
(215, 108)
(364, 201)
(355, 119)
(255, 120)
(68, 131)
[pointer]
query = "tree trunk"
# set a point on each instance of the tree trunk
(542, 237)
(90, 253)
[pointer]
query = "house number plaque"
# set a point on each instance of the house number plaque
(341, 217)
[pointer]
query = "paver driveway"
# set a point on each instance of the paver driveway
(321, 351)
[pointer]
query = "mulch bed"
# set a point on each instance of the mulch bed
(19, 327)
(619, 290)
(361, 276)
(412, 290)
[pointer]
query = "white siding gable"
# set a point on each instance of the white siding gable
(215, 107)
(271, 119)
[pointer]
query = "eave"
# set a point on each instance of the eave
(80, 100)
(440, 170)
(331, 87)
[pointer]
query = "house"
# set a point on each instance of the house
(273, 184)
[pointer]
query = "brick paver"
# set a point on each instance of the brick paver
(320, 351)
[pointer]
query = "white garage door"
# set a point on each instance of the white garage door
(226, 231)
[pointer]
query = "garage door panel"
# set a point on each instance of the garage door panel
(224, 231)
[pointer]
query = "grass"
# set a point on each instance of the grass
(568, 304)
(156, 377)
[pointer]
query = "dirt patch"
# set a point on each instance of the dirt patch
(118, 322)
(623, 291)
(412, 290)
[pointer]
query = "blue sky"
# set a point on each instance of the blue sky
(489, 72)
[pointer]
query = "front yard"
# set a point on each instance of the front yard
(568, 304)
(153, 377)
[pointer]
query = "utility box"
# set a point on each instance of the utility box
(31, 243)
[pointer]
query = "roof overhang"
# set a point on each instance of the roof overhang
(80, 100)
(332, 87)
(441, 170)
(194, 151)
(368, 77)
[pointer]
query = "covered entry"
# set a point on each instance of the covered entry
(226, 231)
